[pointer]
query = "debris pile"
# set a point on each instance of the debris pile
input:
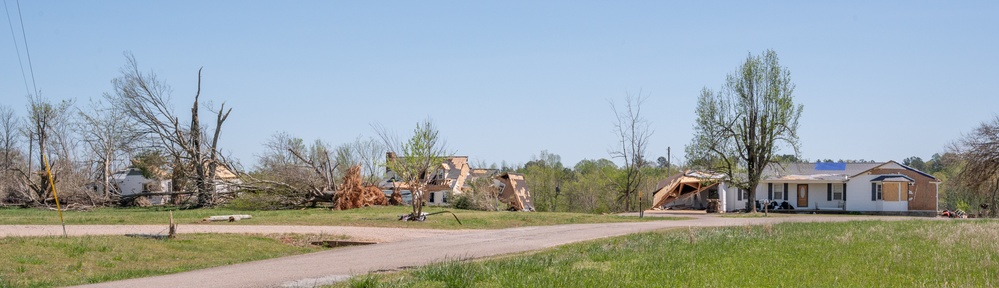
(354, 194)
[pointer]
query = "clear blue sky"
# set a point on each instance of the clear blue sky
(507, 79)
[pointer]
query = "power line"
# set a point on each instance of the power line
(16, 48)
(26, 50)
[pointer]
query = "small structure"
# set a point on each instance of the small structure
(514, 192)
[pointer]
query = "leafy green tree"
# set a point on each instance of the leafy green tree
(590, 188)
(417, 159)
(740, 127)
(915, 162)
(545, 174)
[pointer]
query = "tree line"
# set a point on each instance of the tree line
(740, 129)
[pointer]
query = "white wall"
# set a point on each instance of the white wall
(859, 194)
(131, 184)
(859, 198)
(732, 201)
(437, 198)
(818, 195)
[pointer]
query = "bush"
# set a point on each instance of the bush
(462, 202)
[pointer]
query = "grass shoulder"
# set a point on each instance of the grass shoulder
(367, 217)
(849, 254)
(61, 261)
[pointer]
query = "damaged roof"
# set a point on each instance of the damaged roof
(815, 171)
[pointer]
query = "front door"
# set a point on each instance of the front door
(802, 195)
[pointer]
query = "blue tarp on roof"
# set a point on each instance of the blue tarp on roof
(830, 166)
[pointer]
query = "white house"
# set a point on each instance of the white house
(887, 187)
(130, 181)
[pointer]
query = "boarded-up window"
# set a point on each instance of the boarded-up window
(890, 191)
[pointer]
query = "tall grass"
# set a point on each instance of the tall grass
(852, 254)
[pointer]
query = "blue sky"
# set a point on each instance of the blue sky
(506, 79)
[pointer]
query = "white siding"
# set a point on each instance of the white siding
(859, 194)
(820, 196)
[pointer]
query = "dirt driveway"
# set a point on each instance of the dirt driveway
(326, 267)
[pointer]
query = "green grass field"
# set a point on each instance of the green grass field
(61, 261)
(852, 254)
(369, 217)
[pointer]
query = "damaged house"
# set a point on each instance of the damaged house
(447, 179)
(883, 188)
(452, 178)
(513, 191)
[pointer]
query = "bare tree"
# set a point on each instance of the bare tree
(146, 101)
(12, 156)
(371, 153)
(739, 128)
(45, 121)
(109, 135)
(632, 130)
(416, 160)
(980, 152)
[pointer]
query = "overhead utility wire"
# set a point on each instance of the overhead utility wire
(26, 50)
(16, 48)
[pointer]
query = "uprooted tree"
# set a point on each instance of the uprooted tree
(415, 161)
(146, 101)
(354, 194)
(740, 127)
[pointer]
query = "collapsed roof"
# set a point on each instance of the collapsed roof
(684, 185)
(515, 193)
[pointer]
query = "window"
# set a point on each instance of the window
(778, 191)
(879, 197)
(743, 194)
(837, 192)
(431, 197)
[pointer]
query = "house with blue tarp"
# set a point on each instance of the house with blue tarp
(886, 187)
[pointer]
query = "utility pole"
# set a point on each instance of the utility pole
(667, 161)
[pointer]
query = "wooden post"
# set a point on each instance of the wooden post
(173, 228)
